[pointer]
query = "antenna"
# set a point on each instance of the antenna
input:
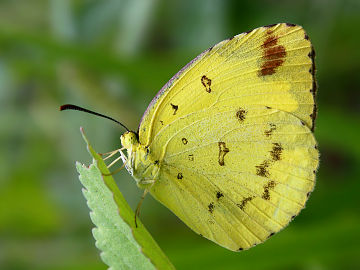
(77, 108)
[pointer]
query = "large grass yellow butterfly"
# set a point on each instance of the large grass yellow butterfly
(227, 143)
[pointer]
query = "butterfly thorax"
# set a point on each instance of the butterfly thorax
(138, 161)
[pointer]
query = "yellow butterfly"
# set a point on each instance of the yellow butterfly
(227, 143)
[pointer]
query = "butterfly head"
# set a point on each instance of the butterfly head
(129, 139)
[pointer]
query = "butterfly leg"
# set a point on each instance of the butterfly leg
(114, 172)
(137, 211)
(110, 154)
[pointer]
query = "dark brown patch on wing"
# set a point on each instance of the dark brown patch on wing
(271, 234)
(211, 207)
(269, 132)
(219, 195)
(244, 202)
(206, 82)
(276, 151)
(261, 169)
(180, 176)
(162, 122)
(222, 152)
(290, 24)
(184, 140)
(175, 108)
(273, 55)
(191, 157)
(240, 249)
(266, 194)
(240, 114)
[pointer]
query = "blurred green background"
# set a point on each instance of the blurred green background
(113, 56)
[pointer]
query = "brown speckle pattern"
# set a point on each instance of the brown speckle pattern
(262, 169)
(240, 114)
(211, 207)
(273, 55)
(266, 194)
(223, 150)
(269, 132)
(206, 82)
(174, 107)
(276, 151)
(244, 202)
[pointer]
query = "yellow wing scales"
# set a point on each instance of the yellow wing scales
(233, 67)
(231, 134)
(255, 182)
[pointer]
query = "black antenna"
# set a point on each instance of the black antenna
(77, 108)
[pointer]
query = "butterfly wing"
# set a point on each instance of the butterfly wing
(236, 175)
(232, 133)
(271, 66)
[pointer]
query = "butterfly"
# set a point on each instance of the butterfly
(227, 144)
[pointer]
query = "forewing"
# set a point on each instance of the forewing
(270, 66)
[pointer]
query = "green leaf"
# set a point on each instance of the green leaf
(123, 245)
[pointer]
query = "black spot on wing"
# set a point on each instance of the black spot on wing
(266, 194)
(276, 151)
(240, 114)
(174, 107)
(223, 150)
(269, 132)
(211, 207)
(262, 169)
(244, 202)
(206, 82)
(314, 87)
(219, 195)
(184, 140)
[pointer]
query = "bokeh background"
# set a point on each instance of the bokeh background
(113, 56)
